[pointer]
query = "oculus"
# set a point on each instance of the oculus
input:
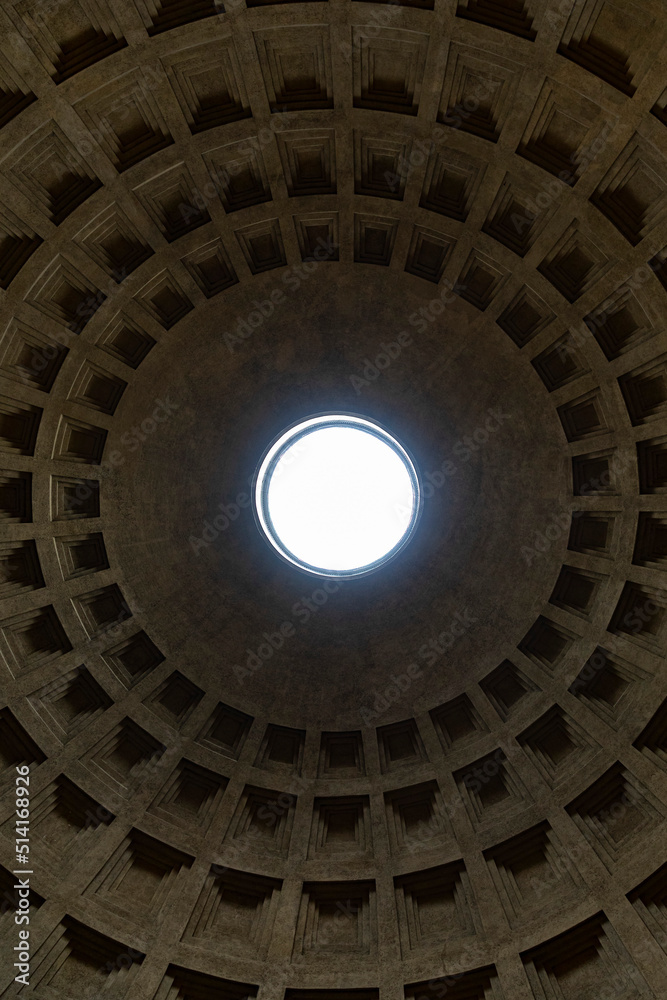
(337, 495)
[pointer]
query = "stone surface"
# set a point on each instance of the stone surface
(213, 223)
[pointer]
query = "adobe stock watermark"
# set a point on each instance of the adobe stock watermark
(303, 610)
(292, 279)
(438, 988)
(132, 439)
(220, 175)
(436, 306)
(640, 614)
(455, 117)
(552, 189)
(122, 109)
(552, 532)
(373, 368)
(464, 449)
(429, 653)
(459, 114)
(474, 781)
(269, 815)
(22, 847)
(229, 512)
(375, 21)
(31, 370)
(332, 932)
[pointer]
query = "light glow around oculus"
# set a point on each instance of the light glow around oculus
(337, 495)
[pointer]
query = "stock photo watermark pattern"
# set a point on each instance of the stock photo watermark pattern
(225, 776)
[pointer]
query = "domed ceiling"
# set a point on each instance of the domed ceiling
(445, 779)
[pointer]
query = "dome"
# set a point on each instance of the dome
(442, 778)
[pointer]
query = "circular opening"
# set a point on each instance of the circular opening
(337, 495)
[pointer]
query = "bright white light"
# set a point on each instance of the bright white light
(335, 494)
